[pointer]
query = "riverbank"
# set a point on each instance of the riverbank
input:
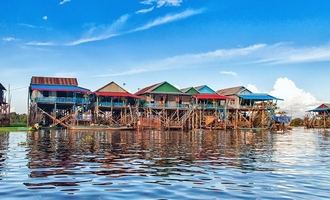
(14, 128)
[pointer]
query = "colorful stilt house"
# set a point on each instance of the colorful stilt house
(116, 107)
(164, 106)
(58, 102)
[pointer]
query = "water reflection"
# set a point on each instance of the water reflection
(115, 153)
(175, 165)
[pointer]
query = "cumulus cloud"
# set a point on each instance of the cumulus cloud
(296, 100)
(45, 17)
(230, 73)
(64, 2)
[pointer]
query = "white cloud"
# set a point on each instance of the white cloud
(169, 18)
(64, 2)
(253, 88)
(36, 43)
(189, 60)
(146, 10)
(102, 32)
(114, 30)
(283, 53)
(230, 73)
(45, 17)
(158, 4)
(9, 39)
(296, 100)
(161, 3)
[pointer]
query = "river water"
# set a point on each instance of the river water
(165, 165)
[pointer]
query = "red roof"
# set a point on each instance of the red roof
(116, 94)
(210, 97)
(54, 81)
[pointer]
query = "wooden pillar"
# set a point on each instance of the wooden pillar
(236, 118)
(97, 107)
(324, 120)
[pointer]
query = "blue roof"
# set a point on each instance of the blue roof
(58, 88)
(204, 89)
(258, 97)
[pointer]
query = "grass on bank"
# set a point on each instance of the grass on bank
(14, 127)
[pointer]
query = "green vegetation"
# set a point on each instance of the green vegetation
(18, 119)
(17, 123)
(13, 129)
(297, 122)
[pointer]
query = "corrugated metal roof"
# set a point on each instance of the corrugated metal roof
(2, 87)
(258, 97)
(58, 88)
(210, 97)
(232, 91)
(54, 81)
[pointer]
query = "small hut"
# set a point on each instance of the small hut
(165, 106)
(248, 109)
(318, 117)
(115, 106)
(58, 102)
(4, 108)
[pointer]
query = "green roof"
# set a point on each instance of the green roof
(165, 87)
(190, 90)
(160, 88)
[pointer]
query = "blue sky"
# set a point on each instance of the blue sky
(269, 46)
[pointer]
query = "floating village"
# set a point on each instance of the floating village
(55, 102)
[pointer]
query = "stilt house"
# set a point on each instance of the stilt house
(58, 102)
(115, 106)
(4, 108)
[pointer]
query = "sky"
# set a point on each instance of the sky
(279, 47)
